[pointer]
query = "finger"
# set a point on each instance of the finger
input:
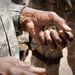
(49, 40)
(68, 36)
(20, 71)
(59, 42)
(25, 72)
(42, 38)
(61, 22)
(37, 70)
(29, 67)
(30, 27)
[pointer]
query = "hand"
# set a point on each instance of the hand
(34, 21)
(12, 66)
(57, 40)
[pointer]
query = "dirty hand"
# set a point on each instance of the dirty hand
(12, 66)
(34, 21)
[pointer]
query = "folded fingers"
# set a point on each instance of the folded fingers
(55, 39)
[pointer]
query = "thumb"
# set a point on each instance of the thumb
(30, 27)
(60, 21)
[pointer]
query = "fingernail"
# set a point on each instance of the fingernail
(40, 70)
(67, 27)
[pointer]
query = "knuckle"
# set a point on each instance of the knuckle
(63, 21)
(52, 12)
(49, 40)
(56, 38)
(41, 34)
(46, 31)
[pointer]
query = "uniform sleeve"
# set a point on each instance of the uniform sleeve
(15, 14)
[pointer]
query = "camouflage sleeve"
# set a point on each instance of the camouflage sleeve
(15, 14)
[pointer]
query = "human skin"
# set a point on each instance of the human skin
(12, 66)
(34, 21)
